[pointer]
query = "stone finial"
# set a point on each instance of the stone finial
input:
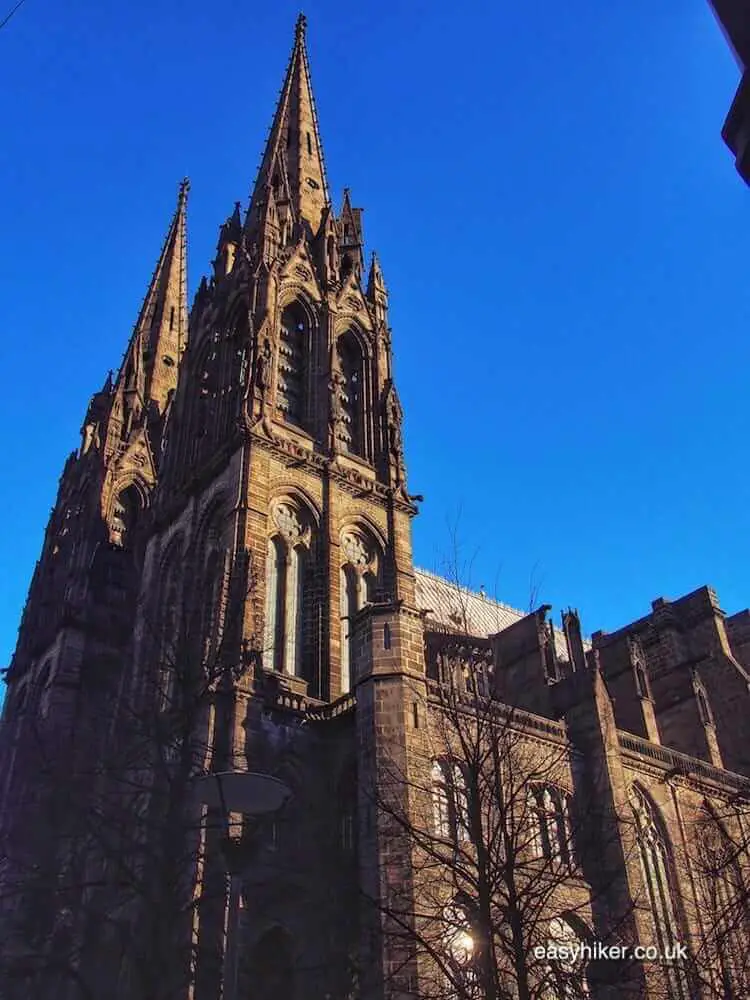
(300, 27)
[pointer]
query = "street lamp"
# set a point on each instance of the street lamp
(251, 794)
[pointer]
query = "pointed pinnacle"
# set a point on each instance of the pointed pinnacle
(170, 270)
(293, 147)
(375, 279)
(232, 228)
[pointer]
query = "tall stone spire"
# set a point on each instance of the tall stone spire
(292, 168)
(149, 368)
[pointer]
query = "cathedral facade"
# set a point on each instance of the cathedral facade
(227, 585)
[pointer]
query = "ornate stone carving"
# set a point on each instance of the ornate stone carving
(91, 438)
(394, 420)
(244, 356)
(290, 525)
(336, 386)
(637, 657)
(263, 378)
(264, 368)
(355, 550)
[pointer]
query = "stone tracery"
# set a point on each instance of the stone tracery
(286, 559)
(359, 571)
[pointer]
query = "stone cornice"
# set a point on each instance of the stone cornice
(669, 764)
(350, 480)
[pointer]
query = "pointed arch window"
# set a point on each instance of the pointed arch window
(535, 823)
(450, 803)
(640, 671)
(641, 683)
(460, 949)
(276, 559)
(549, 820)
(286, 562)
(565, 976)
(125, 510)
(351, 365)
(704, 709)
(347, 265)
(357, 586)
(723, 894)
(211, 608)
(292, 377)
(659, 879)
(441, 816)
(167, 691)
(201, 407)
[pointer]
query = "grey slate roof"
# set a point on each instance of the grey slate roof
(466, 611)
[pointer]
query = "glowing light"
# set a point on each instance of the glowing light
(462, 947)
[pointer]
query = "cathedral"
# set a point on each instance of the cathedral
(480, 802)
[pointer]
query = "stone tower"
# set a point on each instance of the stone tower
(284, 442)
(281, 511)
(237, 516)
(78, 619)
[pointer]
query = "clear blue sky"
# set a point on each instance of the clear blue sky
(562, 231)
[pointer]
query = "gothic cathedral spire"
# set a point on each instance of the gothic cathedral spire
(160, 334)
(148, 374)
(292, 171)
(126, 420)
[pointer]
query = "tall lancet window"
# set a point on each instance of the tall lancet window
(352, 415)
(294, 351)
(566, 975)
(722, 891)
(212, 586)
(125, 510)
(358, 578)
(659, 879)
(286, 560)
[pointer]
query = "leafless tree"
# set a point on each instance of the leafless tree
(717, 862)
(499, 852)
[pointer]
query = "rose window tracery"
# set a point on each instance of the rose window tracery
(355, 551)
